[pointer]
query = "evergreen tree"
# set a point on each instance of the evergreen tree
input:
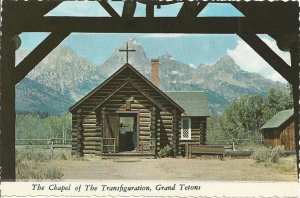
(243, 117)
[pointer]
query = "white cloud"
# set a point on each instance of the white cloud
(192, 65)
(250, 61)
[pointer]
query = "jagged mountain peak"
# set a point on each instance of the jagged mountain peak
(133, 41)
(66, 73)
(65, 52)
(137, 59)
(166, 57)
(133, 44)
(227, 63)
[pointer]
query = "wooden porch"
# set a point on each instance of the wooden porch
(147, 150)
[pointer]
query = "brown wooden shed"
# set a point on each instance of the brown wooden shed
(280, 130)
(128, 115)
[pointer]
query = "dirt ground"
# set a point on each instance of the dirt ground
(230, 169)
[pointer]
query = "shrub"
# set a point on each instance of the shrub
(165, 152)
(53, 172)
(30, 164)
(261, 155)
(277, 153)
(267, 155)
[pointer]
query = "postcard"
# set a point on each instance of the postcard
(149, 98)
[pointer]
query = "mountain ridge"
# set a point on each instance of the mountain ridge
(71, 76)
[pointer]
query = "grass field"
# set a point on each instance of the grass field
(40, 164)
(230, 169)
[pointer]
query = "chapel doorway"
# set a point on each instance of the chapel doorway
(128, 132)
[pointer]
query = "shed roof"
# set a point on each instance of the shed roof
(193, 102)
(278, 119)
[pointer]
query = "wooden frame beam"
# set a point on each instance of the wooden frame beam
(108, 8)
(288, 14)
(191, 9)
(269, 56)
(27, 12)
(7, 109)
(150, 10)
(295, 58)
(214, 25)
(129, 8)
(37, 55)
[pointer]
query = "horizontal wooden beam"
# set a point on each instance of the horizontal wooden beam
(37, 55)
(22, 13)
(270, 56)
(210, 25)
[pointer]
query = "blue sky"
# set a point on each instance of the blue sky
(190, 49)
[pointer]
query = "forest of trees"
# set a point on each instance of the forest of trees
(39, 125)
(243, 118)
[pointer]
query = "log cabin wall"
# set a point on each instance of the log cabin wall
(198, 126)
(284, 135)
(91, 122)
(287, 136)
(198, 132)
(271, 137)
(139, 104)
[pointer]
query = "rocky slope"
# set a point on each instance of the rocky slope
(69, 77)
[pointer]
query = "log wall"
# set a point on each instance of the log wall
(92, 122)
(283, 135)
(198, 132)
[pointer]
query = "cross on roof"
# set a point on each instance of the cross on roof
(127, 51)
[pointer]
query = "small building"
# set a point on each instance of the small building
(128, 114)
(280, 130)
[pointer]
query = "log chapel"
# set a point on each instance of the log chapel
(129, 115)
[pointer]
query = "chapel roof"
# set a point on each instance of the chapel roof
(194, 103)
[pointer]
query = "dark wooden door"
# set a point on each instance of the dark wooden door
(111, 130)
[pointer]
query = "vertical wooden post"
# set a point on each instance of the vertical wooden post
(157, 138)
(79, 132)
(181, 147)
(153, 124)
(175, 133)
(295, 53)
(52, 148)
(7, 108)
(114, 140)
(74, 133)
(99, 133)
(186, 150)
(102, 116)
(203, 132)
